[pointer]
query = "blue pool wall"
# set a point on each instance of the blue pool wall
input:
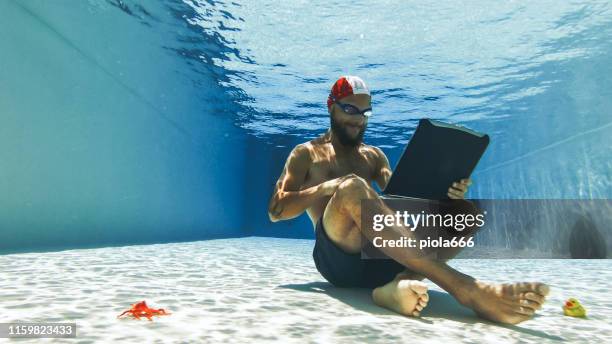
(105, 139)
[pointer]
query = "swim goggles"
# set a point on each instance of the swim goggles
(353, 110)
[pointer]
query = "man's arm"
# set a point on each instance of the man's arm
(383, 170)
(289, 200)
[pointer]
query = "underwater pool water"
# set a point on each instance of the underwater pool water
(129, 121)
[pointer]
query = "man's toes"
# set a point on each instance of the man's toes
(416, 313)
(531, 304)
(418, 287)
(419, 307)
(533, 297)
(524, 310)
(543, 289)
(422, 302)
(537, 287)
(525, 287)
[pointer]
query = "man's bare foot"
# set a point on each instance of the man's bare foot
(506, 303)
(403, 296)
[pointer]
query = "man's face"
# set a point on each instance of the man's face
(350, 128)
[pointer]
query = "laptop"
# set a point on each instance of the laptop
(437, 155)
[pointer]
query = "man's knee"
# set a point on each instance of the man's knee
(353, 185)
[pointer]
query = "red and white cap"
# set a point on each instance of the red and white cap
(346, 86)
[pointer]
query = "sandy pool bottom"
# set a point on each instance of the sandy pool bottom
(250, 290)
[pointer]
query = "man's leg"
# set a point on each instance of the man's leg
(404, 294)
(507, 303)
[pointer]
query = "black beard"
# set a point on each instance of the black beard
(343, 136)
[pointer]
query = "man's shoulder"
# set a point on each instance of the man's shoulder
(372, 150)
(312, 145)
(302, 151)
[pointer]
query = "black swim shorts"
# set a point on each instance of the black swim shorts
(348, 270)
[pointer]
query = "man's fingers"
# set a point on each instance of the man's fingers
(457, 189)
(455, 194)
(460, 187)
(466, 181)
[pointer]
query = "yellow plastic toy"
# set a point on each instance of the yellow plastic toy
(573, 308)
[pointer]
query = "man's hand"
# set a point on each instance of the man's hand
(329, 187)
(458, 189)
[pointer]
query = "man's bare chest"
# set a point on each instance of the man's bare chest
(322, 171)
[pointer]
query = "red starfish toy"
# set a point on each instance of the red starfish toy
(141, 309)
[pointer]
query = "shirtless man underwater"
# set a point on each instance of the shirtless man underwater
(329, 176)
